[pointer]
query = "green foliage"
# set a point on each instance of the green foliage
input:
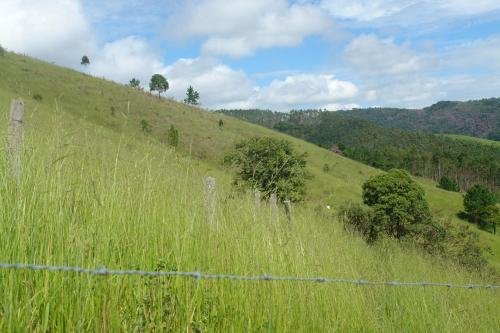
(85, 61)
(456, 244)
(326, 168)
(192, 96)
(221, 124)
(271, 166)
(158, 83)
(447, 184)
(98, 193)
(145, 126)
(398, 203)
(173, 136)
(424, 155)
(361, 219)
(477, 201)
(2, 51)
(134, 83)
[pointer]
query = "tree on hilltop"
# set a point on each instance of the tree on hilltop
(192, 96)
(134, 83)
(85, 61)
(158, 83)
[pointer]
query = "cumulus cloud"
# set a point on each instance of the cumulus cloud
(126, 58)
(52, 30)
(219, 85)
(240, 27)
(372, 55)
(408, 11)
(305, 90)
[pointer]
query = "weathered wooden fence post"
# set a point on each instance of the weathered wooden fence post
(288, 212)
(15, 138)
(257, 197)
(273, 202)
(211, 196)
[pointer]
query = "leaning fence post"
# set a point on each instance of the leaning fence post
(257, 197)
(15, 138)
(288, 211)
(273, 202)
(211, 193)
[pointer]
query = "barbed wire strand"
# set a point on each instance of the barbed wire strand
(199, 275)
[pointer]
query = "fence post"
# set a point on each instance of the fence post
(273, 202)
(288, 212)
(15, 138)
(211, 193)
(257, 197)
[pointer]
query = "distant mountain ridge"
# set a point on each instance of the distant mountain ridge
(478, 118)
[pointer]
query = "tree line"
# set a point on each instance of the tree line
(426, 155)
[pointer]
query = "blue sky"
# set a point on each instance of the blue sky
(277, 54)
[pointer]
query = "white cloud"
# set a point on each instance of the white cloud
(365, 10)
(126, 58)
(52, 30)
(305, 90)
(240, 27)
(223, 87)
(409, 11)
(339, 107)
(219, 85)
(372, 55)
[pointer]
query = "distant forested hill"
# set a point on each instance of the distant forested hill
(479, 118)
(427, 155)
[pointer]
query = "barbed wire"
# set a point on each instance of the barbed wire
(199, 275)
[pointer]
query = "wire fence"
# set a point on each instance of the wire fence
(199, 275)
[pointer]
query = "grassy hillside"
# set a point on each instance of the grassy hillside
(97, 191)
(466, 138)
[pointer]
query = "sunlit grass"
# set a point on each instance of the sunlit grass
(96, 192)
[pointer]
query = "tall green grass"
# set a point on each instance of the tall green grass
(93, 197)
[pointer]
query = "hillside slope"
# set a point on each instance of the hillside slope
(98, 191)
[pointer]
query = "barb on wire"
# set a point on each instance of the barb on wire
(198, 275)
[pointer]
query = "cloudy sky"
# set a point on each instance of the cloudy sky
(275, 54)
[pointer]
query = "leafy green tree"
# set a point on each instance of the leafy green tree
(271, 166)
(221, 124)
(85, 61)
(134, 83)
(158, 83)
(398, 203)
(173, 136)
(192, 96)
(449, 185)
(477, 201)
(2, 51)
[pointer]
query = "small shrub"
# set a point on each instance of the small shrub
(38, 97)
(113, 110)
(359, 218)
(449, 185)
(145, 126)
(326, 168)
(173, 136)
(221, 124)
